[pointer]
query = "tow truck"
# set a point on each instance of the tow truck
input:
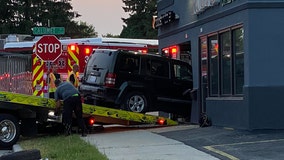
(21, 114)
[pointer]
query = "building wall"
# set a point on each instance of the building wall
(264, 74)
(261, 105)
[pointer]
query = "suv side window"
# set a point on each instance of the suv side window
(129, 64)
(182, 72)
(158, 68)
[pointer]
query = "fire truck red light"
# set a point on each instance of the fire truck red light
(174, 50)
(72, 47)
(87, 50)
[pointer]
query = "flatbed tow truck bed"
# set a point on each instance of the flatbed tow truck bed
(28, 110)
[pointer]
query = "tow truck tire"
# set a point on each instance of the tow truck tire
(135, 102)
(9, 130)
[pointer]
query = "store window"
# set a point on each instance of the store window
(224, 68)
(213, 65)
(238, 45)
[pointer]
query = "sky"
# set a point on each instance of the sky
(104, 15)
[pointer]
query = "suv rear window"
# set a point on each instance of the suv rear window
(99, 60)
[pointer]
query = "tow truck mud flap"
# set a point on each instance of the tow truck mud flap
(28, 127)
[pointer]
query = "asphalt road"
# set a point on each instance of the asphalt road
(229, 144)
(222, 143)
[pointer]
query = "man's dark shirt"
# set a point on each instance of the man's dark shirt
(64, 91)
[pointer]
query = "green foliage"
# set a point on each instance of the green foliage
(80, 29)
(63, 148)
(139, 24)
(19, 16)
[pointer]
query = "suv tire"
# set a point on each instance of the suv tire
(135, 102)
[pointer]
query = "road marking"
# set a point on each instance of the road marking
(212, 149)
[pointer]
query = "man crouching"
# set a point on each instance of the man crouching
(71, 102)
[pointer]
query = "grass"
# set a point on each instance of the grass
(62, 148)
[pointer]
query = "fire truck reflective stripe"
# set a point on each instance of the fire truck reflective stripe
(73, 57)
(37, 81)
(37, 71)
(101, 114)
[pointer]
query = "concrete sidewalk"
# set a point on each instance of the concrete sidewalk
(143, 145)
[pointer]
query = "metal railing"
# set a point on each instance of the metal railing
(15, 73)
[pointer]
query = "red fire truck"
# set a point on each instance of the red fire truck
(74, 51)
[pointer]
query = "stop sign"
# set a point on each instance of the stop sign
(48, 48)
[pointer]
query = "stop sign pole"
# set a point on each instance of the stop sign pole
(48, 48)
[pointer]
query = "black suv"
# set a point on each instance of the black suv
(137, 82)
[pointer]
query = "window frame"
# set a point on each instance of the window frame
(219, 91)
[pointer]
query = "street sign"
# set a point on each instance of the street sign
(48, 48)
(48, 30)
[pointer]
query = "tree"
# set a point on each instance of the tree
(139, 24)
(19, 16)
(80, 29)
(7, 11)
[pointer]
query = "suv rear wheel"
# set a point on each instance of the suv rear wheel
(135, 102)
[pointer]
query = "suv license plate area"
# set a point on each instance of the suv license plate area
(92, 79)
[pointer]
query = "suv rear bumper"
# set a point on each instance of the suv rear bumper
(90, 92)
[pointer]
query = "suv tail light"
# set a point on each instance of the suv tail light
(110, 80)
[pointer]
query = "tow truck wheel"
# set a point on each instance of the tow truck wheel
(135, 102)
(9, 130)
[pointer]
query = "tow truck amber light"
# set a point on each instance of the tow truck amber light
(161, 121)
